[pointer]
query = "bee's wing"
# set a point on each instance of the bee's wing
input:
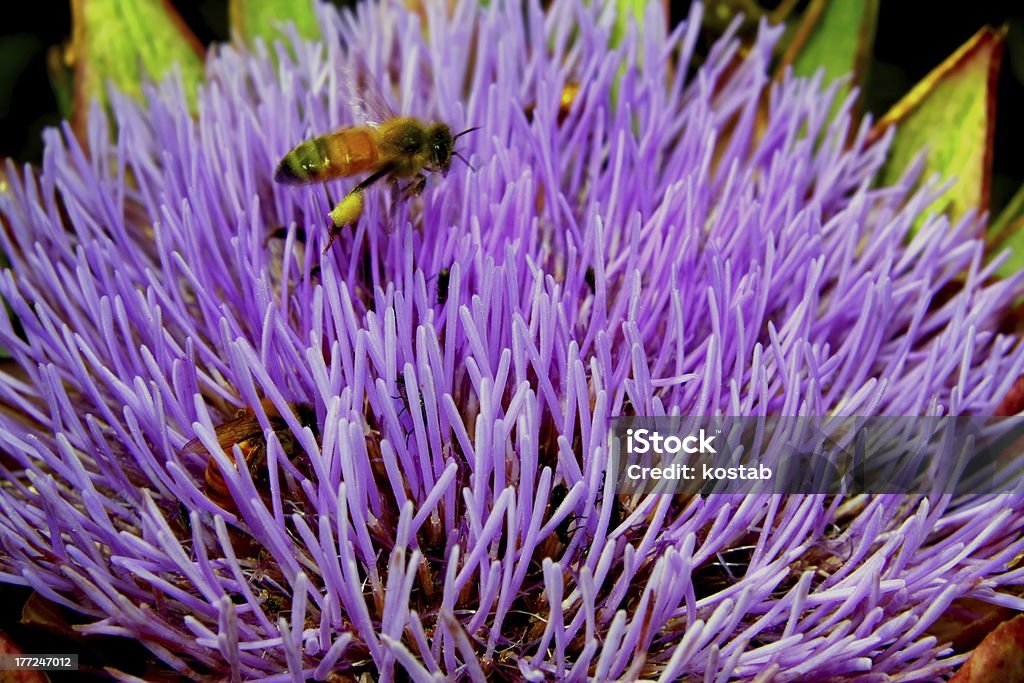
(194, 447)
(240, 429)
(366, 97)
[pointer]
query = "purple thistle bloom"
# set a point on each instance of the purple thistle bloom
(742, 265)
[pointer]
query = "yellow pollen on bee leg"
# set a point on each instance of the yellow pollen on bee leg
(348, 210)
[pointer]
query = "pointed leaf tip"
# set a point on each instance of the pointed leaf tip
(126, 42)
(266, 19)
(834, 36)
(952, 113)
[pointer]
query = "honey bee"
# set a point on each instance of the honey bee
(244, 431)
(397, 148)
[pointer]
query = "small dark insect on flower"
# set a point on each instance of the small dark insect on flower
(565, 529)
(244, 430)
(397, 148)
(443, 280)
(403, 395)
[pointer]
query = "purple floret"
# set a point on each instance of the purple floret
(452, 517)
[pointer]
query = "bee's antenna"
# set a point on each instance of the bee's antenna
(468, 130)
(463, 160)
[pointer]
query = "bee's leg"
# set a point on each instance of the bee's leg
(350, 208)
(415, 187)
(332, 235)
(405, 405)
(347, 212)
(570, 526)
(395, 190)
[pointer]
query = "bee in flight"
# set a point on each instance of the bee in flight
(397, 148)
(245, 431)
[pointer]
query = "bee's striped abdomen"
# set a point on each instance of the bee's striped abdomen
(336, 155)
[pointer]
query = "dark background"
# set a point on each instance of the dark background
(913, 37)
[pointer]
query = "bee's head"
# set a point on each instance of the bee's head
(442, 146)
